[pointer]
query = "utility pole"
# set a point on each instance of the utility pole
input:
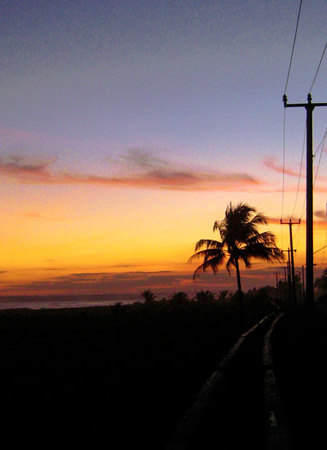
(309, 106)
(290, 223)
(303, 286)
(277, 285)
(288, 274)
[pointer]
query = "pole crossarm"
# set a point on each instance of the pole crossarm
(290, 222)
(309, 104)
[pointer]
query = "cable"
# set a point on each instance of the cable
(284, 152)
(321, 145)
(283, 178)
(292, 53)
(322, 57)
(300, 173)
(286, 84)
(323, 253)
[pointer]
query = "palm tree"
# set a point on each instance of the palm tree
(148, 296)
(240, 241)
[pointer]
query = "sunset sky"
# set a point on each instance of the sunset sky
(126, 127)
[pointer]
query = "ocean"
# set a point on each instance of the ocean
(63, 301)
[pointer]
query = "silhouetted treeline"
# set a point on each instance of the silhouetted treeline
(121, 375)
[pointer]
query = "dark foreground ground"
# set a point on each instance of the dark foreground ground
(119, 377)
(300, 354)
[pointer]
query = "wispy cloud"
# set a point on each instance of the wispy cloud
(141, 158)
(15, 135)
(321, 214)
(30, 215)
(25, 171)
(162, 283)
(270, 162)
(156, 173)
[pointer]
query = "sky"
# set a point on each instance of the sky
(127, 127)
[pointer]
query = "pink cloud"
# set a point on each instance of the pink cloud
(131, 284)
(18, 136)
(25, 172)
(270, 162)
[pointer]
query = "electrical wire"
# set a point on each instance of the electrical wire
(293, 46)
(320, 146)
(283, 177)
(284, 155)
(323, 253)
(300, 173)
(322, 57)
(284, 127)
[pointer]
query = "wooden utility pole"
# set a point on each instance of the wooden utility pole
(277, 285)
(303, 286)
(291, 222)
(288, 276)
(309, 106)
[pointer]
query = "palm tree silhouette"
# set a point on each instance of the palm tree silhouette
(240, 241)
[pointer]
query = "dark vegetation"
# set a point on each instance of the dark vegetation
(120, 376)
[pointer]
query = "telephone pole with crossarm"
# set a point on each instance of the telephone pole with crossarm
(309, 106)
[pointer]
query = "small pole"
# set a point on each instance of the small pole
(291, 222)
(303, 286)
(289, 284)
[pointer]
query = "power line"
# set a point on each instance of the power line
(284, 151)
(321, 145)
(322, 57)
(293, 46)
(300, 173)
(323, 253)
(284, 122)
(283, 179)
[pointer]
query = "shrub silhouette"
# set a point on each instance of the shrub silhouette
(205, 297)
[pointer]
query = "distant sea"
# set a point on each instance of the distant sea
(63, 301)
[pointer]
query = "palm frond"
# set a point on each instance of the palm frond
(205, 254)
(208, 243)
(217, 225)
(266, 238)
(259, 219)
(260, 250)
(212, 264)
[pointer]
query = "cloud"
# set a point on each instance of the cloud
(270, 162)
(131, 284)
(14, 135)
(156, 174)
(273, 220)
(141, 158)
(25, 171)
(321, 214)
(30, 215)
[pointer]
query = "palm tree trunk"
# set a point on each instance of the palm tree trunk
(239, 289)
